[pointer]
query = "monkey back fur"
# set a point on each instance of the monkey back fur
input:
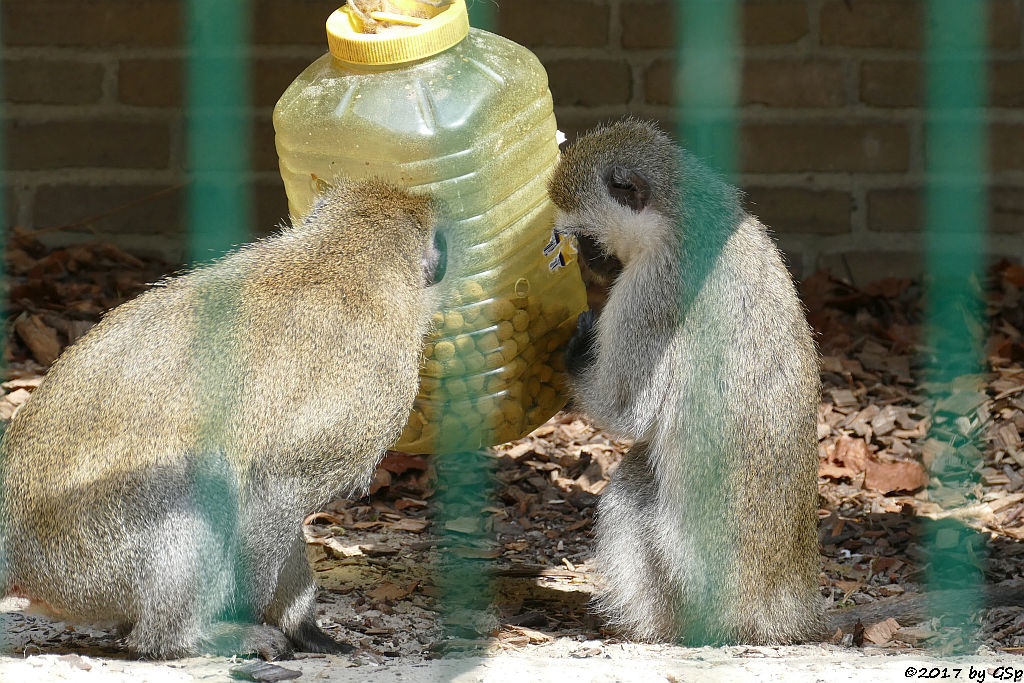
(703, 355)
(158, 477)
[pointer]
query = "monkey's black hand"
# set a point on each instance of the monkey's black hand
(580, 352)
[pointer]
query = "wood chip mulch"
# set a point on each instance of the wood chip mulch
(901, 460)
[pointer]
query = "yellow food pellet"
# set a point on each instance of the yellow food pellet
(429, 385)
(513, 411)
(547, 397)
(544, 373)
(553, 343)
(455, 387)
(444, 350)
(532, 387)
(529, 354)
(433, 368)
(454, 367)
(536, 416)
(509, 350)
(437, 319)
(515, 390)
(495, 360)
(558, 362)
(428, 349)
(488, 342)
(522, 338)
(505, 330)
(485, 405)
(430, 433)
(464, 343)
(520, 320)
(475, 383)
(506, 433)
(496, 384)
(432, 411)
(494, 419)
(471, 313)
(475, 361)
(513, 369)
(472, 291)
(501, 309)
(453, 321)
(533, 308)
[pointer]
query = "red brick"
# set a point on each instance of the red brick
(160, 211)
(864, 267)
(648, 24)
(101, 143)
(38, 81)
(535, 23)
(292, 22)
(838, 147)
(1006, 147)
(895, 209)
(659, 79)
(1004, 24)
(151, 82)
(270, 206)
(891, 84)
(1006, 83)
(793, 83)
(774, 23)
(903, 210)
(270, 77)
(652, 24)
(1006, 209)
(589, 82)
(263, 154)
(873, 23)
(798, 210)
(92, 22)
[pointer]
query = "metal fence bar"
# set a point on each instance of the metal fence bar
(217, 134)
(955, 148)
(217, 125)
(708, 57)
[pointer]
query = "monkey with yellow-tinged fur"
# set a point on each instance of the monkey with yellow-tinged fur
(703, 356)
(158, 477)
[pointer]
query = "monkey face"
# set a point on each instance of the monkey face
(603, 267)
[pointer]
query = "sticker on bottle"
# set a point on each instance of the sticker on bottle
(561, 251)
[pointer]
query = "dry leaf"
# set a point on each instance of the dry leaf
(895, 476)
(881, 633)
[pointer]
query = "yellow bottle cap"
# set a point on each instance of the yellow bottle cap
(420, 37)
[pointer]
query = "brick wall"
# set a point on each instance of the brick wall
(831, 129)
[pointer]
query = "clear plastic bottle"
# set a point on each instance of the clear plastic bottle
(467, 116)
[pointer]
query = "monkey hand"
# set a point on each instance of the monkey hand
(580, 352)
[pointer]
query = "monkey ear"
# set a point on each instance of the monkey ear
(628, 187)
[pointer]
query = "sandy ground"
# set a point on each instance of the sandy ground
(564, 661)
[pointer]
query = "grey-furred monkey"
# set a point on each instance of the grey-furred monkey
(703, 356)
(158, 477)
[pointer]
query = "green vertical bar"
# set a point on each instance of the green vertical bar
(217, 138)
(483, 14)
(955, 149)
(217, 125)
(707, 80)
(707, 59)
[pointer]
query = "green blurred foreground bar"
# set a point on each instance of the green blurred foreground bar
(707, 80)
(218, 218)
(955, 150)
(708, 58)
(217, 126)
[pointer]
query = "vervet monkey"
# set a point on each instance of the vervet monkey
(158, 477)
(703, 356)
